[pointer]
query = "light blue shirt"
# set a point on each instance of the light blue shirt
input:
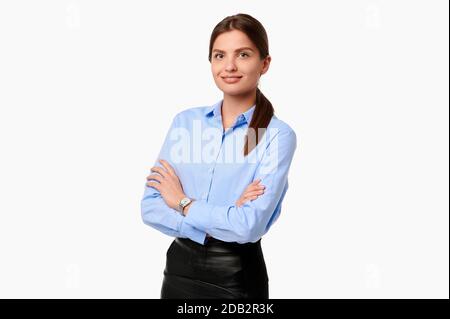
(212, 170)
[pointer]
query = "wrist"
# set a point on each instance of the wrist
(183, 203)
(186, 208)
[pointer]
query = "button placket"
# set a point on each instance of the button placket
(211, 170)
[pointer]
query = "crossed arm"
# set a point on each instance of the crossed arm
(243, 221)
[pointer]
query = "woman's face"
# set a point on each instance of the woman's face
(234, 55)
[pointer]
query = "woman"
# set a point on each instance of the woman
(209, 193)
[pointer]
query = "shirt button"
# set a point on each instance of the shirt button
(210, 170)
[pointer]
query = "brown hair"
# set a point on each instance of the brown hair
(257, 34)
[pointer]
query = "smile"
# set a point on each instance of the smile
(231, 79)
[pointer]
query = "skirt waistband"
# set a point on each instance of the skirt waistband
(215, 245)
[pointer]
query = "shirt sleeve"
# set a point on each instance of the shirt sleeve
(157, 214)
(248, 222)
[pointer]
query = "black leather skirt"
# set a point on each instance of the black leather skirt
(215, 270)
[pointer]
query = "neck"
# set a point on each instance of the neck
(232, 106)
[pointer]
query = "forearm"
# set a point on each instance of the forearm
(229, 223)
(157, 214)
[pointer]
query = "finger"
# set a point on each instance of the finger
(155, 177)
(256, 181)
(255, 193)
(251, 196)
(167, 166)
(154, 185)
(152, 176)
(159, 170)
(252, 187)
(255, 188)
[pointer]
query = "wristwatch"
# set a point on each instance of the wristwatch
(183, 203)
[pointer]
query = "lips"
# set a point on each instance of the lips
(231, 79)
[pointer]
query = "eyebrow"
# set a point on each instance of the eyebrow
(243, 48)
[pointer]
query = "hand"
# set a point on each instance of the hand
(252, 192)
(169, 184)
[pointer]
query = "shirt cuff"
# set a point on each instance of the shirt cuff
(200, 214)
(191, 232)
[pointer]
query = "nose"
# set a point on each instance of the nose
(230, 66)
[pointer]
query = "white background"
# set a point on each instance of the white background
(87, 93)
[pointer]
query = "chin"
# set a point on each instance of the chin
(233, 92)
(233, 89)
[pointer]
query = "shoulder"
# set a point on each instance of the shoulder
(282, 129)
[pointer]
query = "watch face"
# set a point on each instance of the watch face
(184, 201)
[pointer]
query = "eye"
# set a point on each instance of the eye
(242, 53)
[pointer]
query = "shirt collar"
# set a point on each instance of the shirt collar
(214, 110)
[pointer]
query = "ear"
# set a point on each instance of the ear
(265, 64)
